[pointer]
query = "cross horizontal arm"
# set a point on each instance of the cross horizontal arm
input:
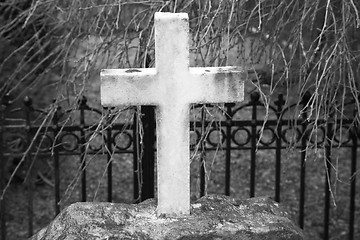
(216, 84)
(129, 87)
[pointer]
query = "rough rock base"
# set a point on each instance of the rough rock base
(212, 217)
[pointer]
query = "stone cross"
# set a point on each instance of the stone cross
(172, 86)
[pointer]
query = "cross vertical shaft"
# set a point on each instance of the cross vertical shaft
(172, 116)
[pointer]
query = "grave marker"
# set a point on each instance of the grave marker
(172, 87)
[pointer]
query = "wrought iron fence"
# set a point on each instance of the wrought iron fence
(245, 127)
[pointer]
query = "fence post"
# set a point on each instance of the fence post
(4, 103)
(82, 107)
(352, 208)
(55, 121)
(109, 151)
(203, 153)
(28, 161)
(328, 143)
(137, 156)
(148, 158)
(254, 102)
(229, 115)
(144, 154)
(279, 103)
(304, 139)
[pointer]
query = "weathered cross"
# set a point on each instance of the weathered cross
(172, 87)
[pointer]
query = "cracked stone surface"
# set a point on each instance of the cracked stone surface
(212, 217)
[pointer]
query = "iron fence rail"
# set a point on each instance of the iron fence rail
(57, 139)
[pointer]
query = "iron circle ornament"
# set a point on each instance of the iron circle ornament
(69, 141)
(317, 136)
(268, 136)
(293, 132)
(343, 135)
(14, 142)
(220, 136)
(241, 133)
(195, 137)
(95, 141)
(44, 142)
(122, 140)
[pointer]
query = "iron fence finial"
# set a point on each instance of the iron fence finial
(28, 101)
(255, 96)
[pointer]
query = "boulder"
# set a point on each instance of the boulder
(212, 217)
